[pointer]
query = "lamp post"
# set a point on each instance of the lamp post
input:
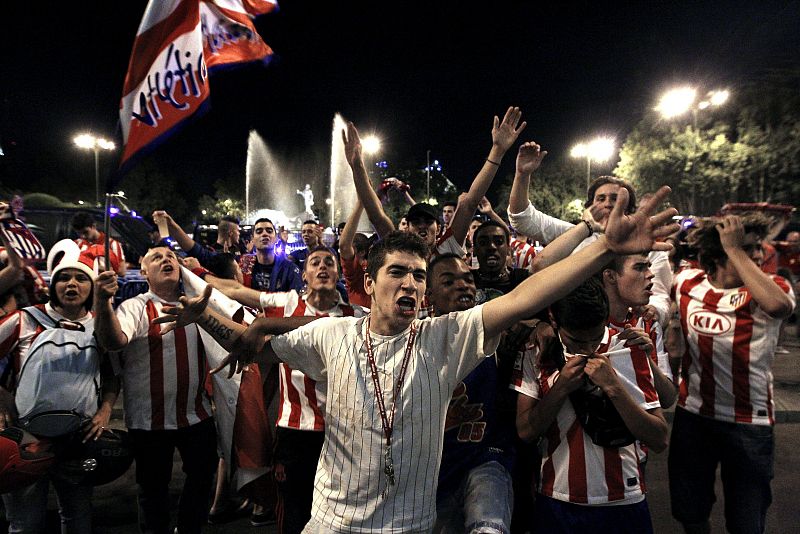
(598, 149)
(90, 142)
(676, 102)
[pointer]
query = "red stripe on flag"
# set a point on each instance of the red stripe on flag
(182, 378)
(156, 369)
(740, 364)
(577, 464)
(149, 44)
(613, 471)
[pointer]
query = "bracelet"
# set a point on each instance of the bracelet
(201, 272)
(589, 226)
(492, 162)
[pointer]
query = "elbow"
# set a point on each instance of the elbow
(525, 431)
(659, 445)
(779, 310)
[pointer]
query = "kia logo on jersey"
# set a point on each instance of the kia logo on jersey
(709, 323)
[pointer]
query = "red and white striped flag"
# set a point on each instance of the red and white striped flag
(178, 41)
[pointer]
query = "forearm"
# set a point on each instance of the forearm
(346, 250)
(236, 291)
(179, 235)
(561, 247)
(532, 423)
(280, 325)
(369, 199)
(544, 288)
(224, 330)
(469, 202)
(518, 198)
(667, 393)
(107, 329)
(767, 294)
(649, 428)
(499, 220)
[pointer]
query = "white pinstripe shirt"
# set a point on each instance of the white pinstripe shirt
(350, 478)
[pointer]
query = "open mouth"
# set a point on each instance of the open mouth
(466, 300)
(167, 268)
(407, 304)
(323, 276)
(70, 293)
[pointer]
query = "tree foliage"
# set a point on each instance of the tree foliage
(748, 151)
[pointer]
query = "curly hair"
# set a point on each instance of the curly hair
(704, 239)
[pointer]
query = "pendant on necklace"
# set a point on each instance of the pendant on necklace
(389, 468)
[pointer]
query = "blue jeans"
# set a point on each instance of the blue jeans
(482, 503)
(745, 454)
(26, 508)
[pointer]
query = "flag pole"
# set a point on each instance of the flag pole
(106, 228)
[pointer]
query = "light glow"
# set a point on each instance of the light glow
(676, 102)
(371, 144)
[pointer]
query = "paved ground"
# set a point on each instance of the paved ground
(115, 503)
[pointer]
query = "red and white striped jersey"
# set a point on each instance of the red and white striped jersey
(573, 469)
(302, 404)
(726, 373)
(114, 245)
(18, 331)
(164, 377)
(522, 254)
(653, 328)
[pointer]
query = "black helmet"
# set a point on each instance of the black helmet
(23, 459)
(95, 462)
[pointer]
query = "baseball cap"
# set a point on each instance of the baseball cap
(422, 210)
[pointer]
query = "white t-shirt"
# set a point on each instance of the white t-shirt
(350, 477)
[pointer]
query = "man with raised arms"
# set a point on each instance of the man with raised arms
(391, 376)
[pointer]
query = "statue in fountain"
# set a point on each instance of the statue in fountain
(308, 198)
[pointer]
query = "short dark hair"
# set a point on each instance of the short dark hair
(82, 220)
(222, 265)
(490, 224)
(586, 307)
(396, 241)
(326, 250)
(87, 305)
(705, 238)
(310, 221)
(449, 203)
(603, 180)
(263, 220)
(230, 218)
(439, 258)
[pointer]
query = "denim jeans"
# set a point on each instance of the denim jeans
(26, 508)
(482, 503)
(745, 454)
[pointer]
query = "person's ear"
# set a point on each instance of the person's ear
(369, 284)
(610, 276)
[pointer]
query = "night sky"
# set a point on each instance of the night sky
(423, 75)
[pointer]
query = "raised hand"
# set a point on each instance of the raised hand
(505, 133)
(188, 311)
(484, 206)
(591, 214)
(244, 351)
(352, 144)
(529, 157)
(105, 285)
(731, 232)
(639, 232)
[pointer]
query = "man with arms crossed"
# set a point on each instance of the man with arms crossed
(391, 376)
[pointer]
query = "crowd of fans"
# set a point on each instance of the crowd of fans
(446, 373)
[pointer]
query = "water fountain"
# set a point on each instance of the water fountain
(275, 185)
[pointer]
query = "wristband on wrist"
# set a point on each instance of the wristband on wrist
(589, 226)
(495, 163)
(201, 272)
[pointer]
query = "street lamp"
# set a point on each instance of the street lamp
(90, 142)
(598, 149)
(676, 102)
(371, 145)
